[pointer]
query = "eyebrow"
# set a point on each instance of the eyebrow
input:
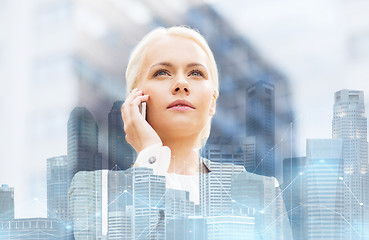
(170, 65)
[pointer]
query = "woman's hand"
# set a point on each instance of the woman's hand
(139, 133)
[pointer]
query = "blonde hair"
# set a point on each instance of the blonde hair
(139, 52)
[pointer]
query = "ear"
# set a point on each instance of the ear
(213, 104)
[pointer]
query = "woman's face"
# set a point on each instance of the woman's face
(176, 76)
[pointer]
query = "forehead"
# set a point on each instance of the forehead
(176, 50)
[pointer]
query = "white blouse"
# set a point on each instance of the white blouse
(158, 157)
(188, 183)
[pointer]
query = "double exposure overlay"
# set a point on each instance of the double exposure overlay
(66, 169)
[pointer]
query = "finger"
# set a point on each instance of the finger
(139, 99)
(135, 92)
(134, 106)
(131, 110)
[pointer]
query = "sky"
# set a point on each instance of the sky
(321, 45)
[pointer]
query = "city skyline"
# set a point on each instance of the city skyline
(315, 47)
(232, 152)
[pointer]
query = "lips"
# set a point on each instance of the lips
(181, 105)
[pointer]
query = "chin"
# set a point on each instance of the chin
(178, 128)
(179, 124)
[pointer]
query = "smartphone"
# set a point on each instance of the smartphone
(143, 109)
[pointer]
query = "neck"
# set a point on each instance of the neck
(185, 155)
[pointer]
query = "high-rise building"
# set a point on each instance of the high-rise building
(30, 229)
(231, 227)
(178, 208)
(224, 150)
(324, 189)
(350, 124)
(121, 154)
(82, 142)
(88, 204)
(249, 148)
(260, 124)
(120, 205)
(293, 194)
(178, 204)
(259, 197)
(6, 202)
(120, 190)
(120, 225)
(57, 194)
(57, 188)
(149, 204)
(215, 189)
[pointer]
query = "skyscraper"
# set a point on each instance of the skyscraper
(88, 204)
(350, 124)
(224, 150)
(215, 189)
(293, 194)
(57, 188)
(258, 196)
(57, 194)
(120, 225)
(121, 154)
(120, 205)
(149, 204)
(230, 227)
(324, 189)
(82, 142)
(6, 202)
(178, 208)
(260, 120)
(178, 204)
(249, 148)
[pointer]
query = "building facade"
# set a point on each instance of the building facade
(121, 154)
(215, 189)
(88, 204)
(57, 193)
(30, 229)
(260, 124)
(258, 197)
(6, 202)
(82, 142)
(324, 189)
(350, 124)
(294, 179)
(57, 188)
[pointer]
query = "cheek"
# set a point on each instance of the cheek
(155, 103)
(206, 101)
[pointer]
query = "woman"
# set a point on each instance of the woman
(173, 70)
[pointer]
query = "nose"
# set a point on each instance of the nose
(181, 86)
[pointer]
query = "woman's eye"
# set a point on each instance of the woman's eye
(161, 73)
(196, 73)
